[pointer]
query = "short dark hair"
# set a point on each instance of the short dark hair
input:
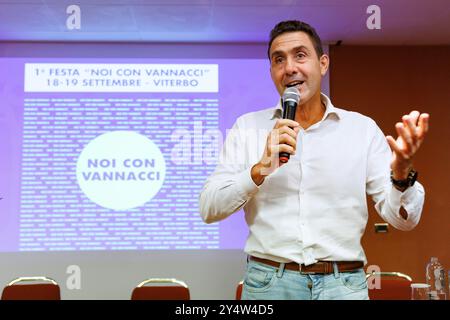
(293, 26)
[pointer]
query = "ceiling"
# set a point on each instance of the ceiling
(403, 22)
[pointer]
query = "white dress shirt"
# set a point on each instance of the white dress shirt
(314, 207)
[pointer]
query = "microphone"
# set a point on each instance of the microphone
(290, 99)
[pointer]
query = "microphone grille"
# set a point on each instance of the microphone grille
(291, 94)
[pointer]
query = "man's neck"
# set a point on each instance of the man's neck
(310, 112)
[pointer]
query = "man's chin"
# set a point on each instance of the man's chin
(304, 96)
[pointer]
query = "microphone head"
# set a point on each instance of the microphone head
(291, 94)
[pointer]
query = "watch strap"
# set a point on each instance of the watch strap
(408, 182)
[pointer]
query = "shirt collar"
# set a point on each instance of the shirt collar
(329, 109)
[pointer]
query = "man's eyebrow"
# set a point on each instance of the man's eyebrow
(277, 53)
(295, 49)
(300, 48)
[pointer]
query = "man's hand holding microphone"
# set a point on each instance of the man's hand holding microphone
(281, 141)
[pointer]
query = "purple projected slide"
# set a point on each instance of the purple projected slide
(111, 154)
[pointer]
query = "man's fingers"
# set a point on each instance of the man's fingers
(409, 125)
(276, 139)
(411, 132)
(286, 122)
(394, 147)
(282, 138)
(292, 132)
(414, 115)
(276, 149)
(423, 125)
(287, 139)
(402, 132)
(407, 148)
(392, 144)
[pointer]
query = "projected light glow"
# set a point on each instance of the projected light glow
(111, 154)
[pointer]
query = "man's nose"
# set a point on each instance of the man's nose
(290, 67)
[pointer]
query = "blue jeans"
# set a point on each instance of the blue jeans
(264, 282)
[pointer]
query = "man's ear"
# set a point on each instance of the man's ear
(324, 64)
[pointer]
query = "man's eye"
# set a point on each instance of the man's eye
(301, 55)
(279, 60)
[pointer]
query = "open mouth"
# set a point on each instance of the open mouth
(294, 84)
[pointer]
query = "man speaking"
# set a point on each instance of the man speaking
(303, 189)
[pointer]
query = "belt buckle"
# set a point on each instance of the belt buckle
(304, 272)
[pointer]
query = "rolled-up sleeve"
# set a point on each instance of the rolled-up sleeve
(230, 186)
(388, 200)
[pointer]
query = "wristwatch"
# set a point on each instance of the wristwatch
(408, 182)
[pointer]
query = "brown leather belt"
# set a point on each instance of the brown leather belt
(321, 267)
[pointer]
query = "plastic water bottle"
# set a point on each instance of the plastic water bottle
(436, 280)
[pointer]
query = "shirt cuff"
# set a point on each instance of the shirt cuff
(246, 185)
(408, 199)
(398, 199)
